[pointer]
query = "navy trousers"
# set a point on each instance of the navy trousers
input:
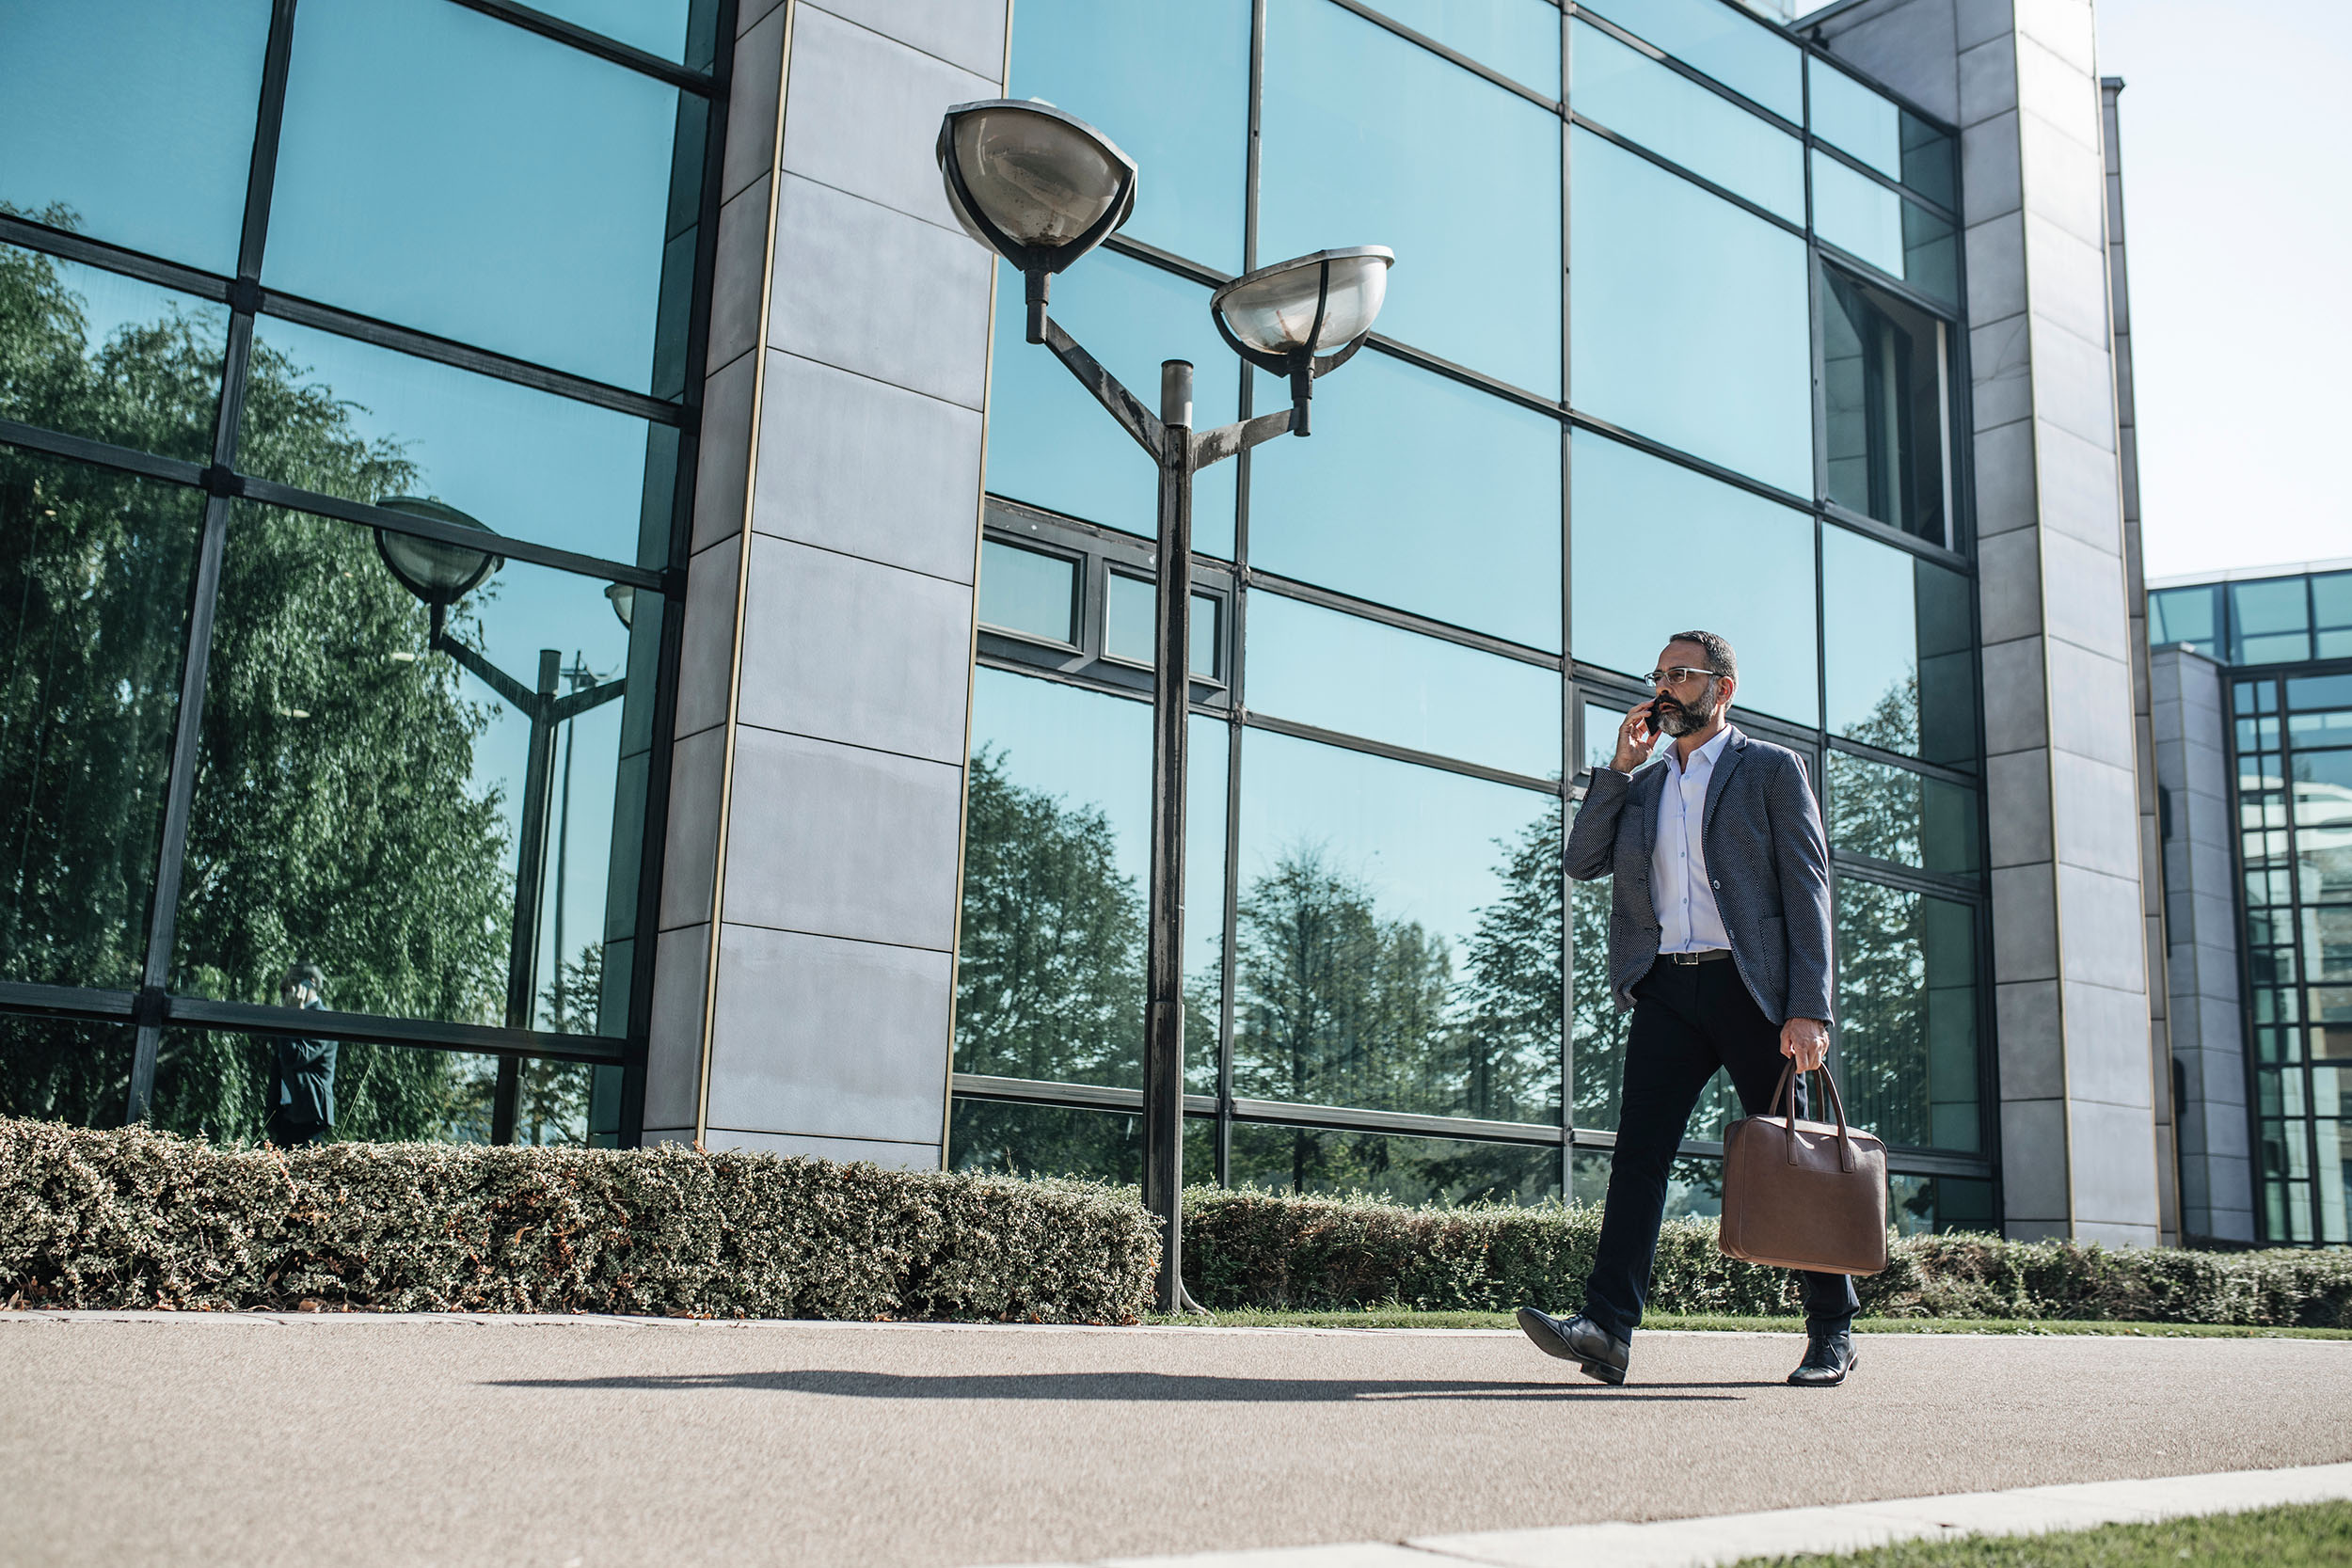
(1688, 1021)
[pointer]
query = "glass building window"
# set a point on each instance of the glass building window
(1743, 54)
(1658, 549)
(673, 29)
(1169, 85)
(1886, 395)
(1345, 672)
(132, 120)
(1030, 593)
(1399, 936)
(454, 173)
(1882, 133)
(2331, 615)
(1893, 814)
(1419, 492)
(2269, 621)
(1870, 222)
(1402, 1169)
(1050, 445)
(1131, 613)
(1626, 90)
(1900, 673)
(1907, 1014)
(1363, 135)
(1519, 39)
(96, 354)
(1691, 320)
(2190, 615)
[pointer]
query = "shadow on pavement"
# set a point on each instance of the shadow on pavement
(1124, 1387)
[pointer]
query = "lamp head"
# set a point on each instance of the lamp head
(1305, 317)
(623, 596)
(1038, 186)
(437, 572)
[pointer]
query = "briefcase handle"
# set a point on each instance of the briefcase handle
(1784, 1106)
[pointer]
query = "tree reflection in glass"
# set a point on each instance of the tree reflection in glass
(1907, 1014)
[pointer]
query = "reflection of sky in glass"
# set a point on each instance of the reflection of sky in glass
(1855, 214)
(1052, 445)
(109, 303)
(1170, 85)
(656, 26)
(138, 114)
(1344, 672)
(1028, 591)
(1634, 96)
(527, 463)
(1087, 749)
(1369, 139)
(1659, 549)
(454, 173)
(1743, 54)
(1425, 842)
(1419, 492)
(1692, 322)
(1853, 117)
(1519, 37)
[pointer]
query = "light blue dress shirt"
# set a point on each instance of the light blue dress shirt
(1688, 920)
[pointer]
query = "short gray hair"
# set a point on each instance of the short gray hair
(1720, 657)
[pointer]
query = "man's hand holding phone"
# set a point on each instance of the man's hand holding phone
(1635, 737)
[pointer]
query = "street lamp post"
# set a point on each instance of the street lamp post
(439, 574)
(1042, 188)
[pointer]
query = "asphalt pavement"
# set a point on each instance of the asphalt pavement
(576, 1443)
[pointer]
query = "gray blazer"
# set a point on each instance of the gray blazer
(1765, 859)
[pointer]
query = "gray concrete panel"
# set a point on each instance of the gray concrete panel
(865, 288)
(2033, 1163)
(2079, 497)
(2005, 480)
(849, 650)
(2065, 95)
(1995, 252)
(751, 13)
(969, 33)
(866, 112)
(707, 642)
(2009, 585)
(1910, 47)
(825, 1037)
(751, 107)
(738, 272)
(2063, 185)
(2015, 699)
(692, 842)
(1975, 20)
(2027, 1032)
(897, 1156)
(2107, 1046)
(2000, 359)
(2095, 806)
(2114, 1169)
(1987, 81)
(2064, 27)
(2094, 694)
(838, 841)
(2073, 386)
(874, 470)
(2025, 923)
(723, 456)
(2070, 274)
(2017, 787)
(2099, 928)
(674, 1048)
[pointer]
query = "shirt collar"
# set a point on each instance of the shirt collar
(1710, 754)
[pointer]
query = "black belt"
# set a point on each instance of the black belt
(1707, 958)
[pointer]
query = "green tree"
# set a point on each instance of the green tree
(335, 819)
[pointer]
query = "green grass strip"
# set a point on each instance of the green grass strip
(2303, 1536)
(1405, 1318)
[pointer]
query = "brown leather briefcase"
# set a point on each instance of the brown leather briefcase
(1803, 1195)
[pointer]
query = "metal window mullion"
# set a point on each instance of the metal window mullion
(1404, 620)
(685, 78)
(1688, 71)
(1888, 533)
(1884, 180)
(1370, 747)
(1721, 193)
(65, 245)
(1389, 25)
(1570, 690)
(271, 493)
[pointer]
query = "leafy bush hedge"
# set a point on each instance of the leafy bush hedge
(140, 1219)
(1244, 1249)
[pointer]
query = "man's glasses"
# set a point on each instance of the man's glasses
(1679, 674)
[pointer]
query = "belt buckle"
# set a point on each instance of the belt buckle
(1690, 959)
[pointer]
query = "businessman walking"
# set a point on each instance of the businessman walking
(1719, 941)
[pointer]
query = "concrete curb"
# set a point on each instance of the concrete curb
(1729, 1537)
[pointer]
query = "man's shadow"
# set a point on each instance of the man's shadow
(1126, 1387)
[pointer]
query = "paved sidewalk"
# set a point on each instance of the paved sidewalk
(582, 1442)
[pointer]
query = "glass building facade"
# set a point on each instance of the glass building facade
(2285, 645)
(1673, 340)
(310, 313)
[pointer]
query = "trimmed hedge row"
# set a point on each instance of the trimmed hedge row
(140, 1219)
(1246, 1249)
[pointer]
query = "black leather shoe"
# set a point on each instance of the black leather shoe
(1579, 1339)
(1827, 1360)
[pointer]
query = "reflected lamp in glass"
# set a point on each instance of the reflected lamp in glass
(622, 597)
(437, 572)
(1305, 317)
(1038, 186)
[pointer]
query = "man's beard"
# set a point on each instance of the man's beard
(1674, 719)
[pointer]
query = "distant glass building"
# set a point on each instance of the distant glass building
(2253, 676)
(775, 770)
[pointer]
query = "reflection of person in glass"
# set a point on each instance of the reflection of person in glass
(1719, 942)
(302, 1076)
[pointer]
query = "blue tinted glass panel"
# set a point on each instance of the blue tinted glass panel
(1896, 634)
(1472, 538)
(1130, 621)
(95, 353)
(1028, 592)
(1365, 137)
(453, 173)
(2269, 621)
(1521, 39)
(1344, 672)
(1052, 445)
(1892, 814)
(339, 416)
(1399, 936)
(1930, 162)
(656, 26)
(1168, 84)
(1639, 523)
(1636, 97)
(2189, 615)
(2332, 613)
(1851, 116)
(132, 120)
(1863, 218)
(1741, 53)
(1692, 322)
(1907, 1015)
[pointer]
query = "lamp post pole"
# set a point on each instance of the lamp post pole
(1171, 700)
